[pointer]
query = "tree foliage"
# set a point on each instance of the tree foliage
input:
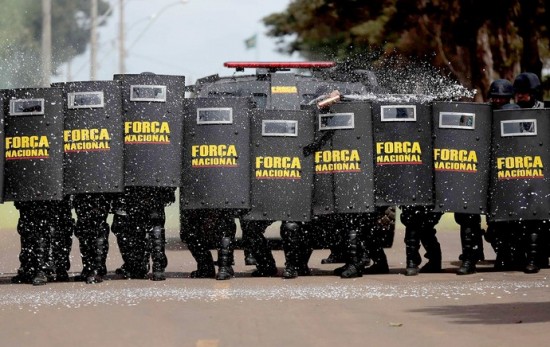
(475, 41)
(21, 37)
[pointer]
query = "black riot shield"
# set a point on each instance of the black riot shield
(520, 188)
(34, 144)
(153, 121)
(403, 157)
(282, 168)
(93, 137)
(344, 168)
(216, 158)
(462, 146)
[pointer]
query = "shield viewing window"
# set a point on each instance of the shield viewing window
(280, 128)
(457, 120)
(398, 113)
(518, 127)
(213, 115)
(26, 107)
(85, 100)
(329, 121)
(148, 93)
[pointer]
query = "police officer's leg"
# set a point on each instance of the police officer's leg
(62, 232)
(470, 231)
(290, 234)
(102, 248)
(531, 232)
(412, 239)
(373, 242)
(518, 242)
(192, 232)
(498, 235)
(42, 245)
(259, 247)
(353, 267)
(429, 240)
(337, 249)
(158, 243)
(91, 214)
(249, 258)
(141, 245)
(121, 230)
(26, 258)
(228, 229)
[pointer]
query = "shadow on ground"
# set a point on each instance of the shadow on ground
(505, 313)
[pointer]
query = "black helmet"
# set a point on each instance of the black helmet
(501, 88)
(529, 83)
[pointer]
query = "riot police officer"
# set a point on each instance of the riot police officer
(528, 90)
(527, 94)
(500, 93)
(471, 235)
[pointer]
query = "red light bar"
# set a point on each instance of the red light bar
(280, 65)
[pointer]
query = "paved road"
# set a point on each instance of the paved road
(485, 309)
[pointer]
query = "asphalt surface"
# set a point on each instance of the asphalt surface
(485, 309)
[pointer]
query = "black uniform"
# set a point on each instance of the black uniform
(63, 228)
(205, 229)
(92, 231)
(39, 221)
(299, 240)
(138, 224)
(471, 236)
(255, 243)
(420, 222)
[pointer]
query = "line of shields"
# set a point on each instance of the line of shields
(225, 153)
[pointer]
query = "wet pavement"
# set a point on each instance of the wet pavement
(485, 309)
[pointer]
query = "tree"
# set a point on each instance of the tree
(474, 41)
(20, 37)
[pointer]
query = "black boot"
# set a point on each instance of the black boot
(292, 249)
(531, 266)
(205, 265)
(225, 256)
(103, 249)
(433, 251)
(158, 254)
(122, 230)
(375, 252)
(380, 263)
(470, 252)
(41, 252)
(412, 245)
(353, 266)
(197, 246)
